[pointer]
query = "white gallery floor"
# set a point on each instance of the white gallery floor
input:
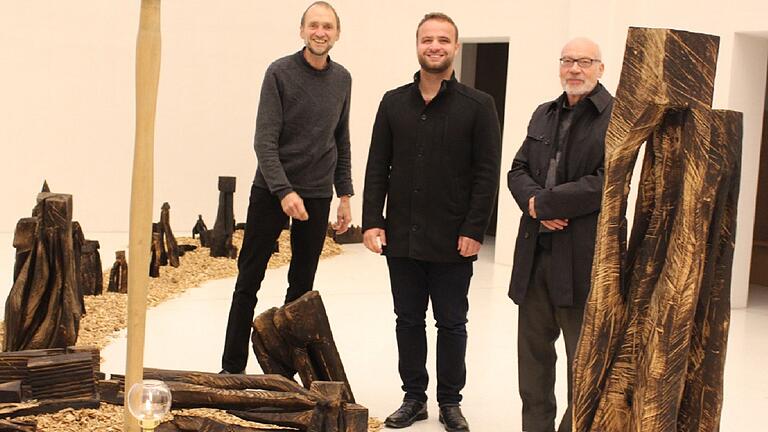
(187, 333)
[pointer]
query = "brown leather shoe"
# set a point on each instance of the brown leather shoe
(409, 412)
(452, 418)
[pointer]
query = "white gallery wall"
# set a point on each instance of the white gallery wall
(67, 95)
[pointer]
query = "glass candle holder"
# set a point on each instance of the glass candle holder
(149, 401)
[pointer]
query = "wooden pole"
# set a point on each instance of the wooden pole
(140, 235)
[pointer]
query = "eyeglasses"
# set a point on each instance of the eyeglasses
(583, 63)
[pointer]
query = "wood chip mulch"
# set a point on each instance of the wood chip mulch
(106, 315)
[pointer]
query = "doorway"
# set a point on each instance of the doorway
(758, 274)
(483, 65)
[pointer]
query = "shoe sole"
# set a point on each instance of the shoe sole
(422, 416)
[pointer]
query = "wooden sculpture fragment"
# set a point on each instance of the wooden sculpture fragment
(201, 230)
(170, 246)
(43, 309)
(221, 235)
(652, 347)
(297, 338)
(118, 275)
(266, 399)
(91, 279)
(354, 234)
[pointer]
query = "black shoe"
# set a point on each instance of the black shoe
(452, 418)
(226, 372)
(409, 412)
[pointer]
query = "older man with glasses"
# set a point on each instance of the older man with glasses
(557, 180)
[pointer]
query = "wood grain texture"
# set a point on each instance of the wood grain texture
(648, 319)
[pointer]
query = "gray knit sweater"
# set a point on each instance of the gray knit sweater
(302, 129)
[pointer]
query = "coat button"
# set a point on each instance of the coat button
(538, 171)
(417, 190)
(414, 228)
(423, 117)
(526, 235)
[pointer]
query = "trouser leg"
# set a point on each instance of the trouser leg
(307, 240)
(448, 289)
(537, 333)
(410, 296)
(569, 320)
(264, 222)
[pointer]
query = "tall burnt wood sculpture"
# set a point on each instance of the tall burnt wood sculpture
(78, 240)
(91, 279)
(42, 309)
(156, 251)
(652, 347)
(118, 275)
(171, 247)
(201, 230)
(221, 235)
(297, 338)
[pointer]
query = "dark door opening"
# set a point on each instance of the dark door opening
(484, 67)
(758, 274)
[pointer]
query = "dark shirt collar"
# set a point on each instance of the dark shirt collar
(300, 57)
(599, 98)
(446, 84)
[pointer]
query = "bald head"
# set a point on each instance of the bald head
(581, 67)
(582, 45)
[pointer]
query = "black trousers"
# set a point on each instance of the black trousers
(263, 226)
(539, 326)
(414, 283)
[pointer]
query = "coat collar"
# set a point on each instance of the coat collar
(599, 98)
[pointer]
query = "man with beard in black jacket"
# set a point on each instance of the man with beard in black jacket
(434, 159)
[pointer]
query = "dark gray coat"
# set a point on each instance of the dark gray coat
(576, 197)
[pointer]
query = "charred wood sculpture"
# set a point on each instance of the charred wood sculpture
(171, 247)
(201, 230)
(221, 235)
(354, 234)
(156, 251)
(298, 337)
(267, 399)
(88, 264)
(42, 309)
(652, 347)
(91, 279)
(118, 275)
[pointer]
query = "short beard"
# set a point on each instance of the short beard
(316, 52)
(440, 68)
(579, 90)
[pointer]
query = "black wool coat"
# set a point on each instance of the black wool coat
(576, 197)
(436, 166)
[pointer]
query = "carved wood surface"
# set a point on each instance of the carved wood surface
(646, 360)
(65, 376)
(201, 230)
(42, 309)
(18, 425)
(118, 275)
(171, 247)
(202, 424)
(91, 279)
(221, 235)
(298, 337)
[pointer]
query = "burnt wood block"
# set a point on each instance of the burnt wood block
(11, 392)
(227, 184)
(118, 275)
(298, 337)
(91, 278)
(62, 376)
(171, 247)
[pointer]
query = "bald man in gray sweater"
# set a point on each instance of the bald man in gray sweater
(303, 151)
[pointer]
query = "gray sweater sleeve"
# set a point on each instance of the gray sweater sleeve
(269, 123)
(342, 178)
